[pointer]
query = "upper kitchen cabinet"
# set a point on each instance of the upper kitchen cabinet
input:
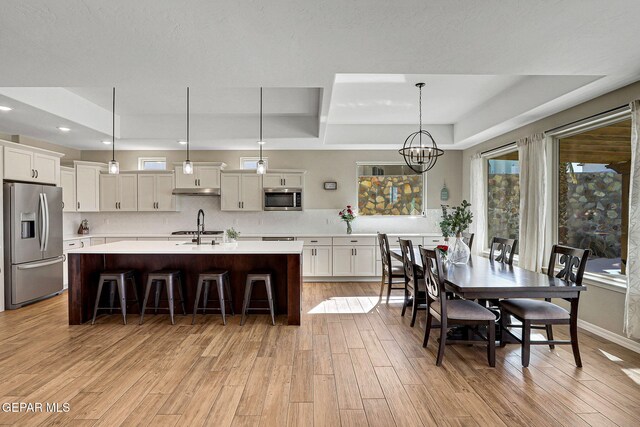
(88, 185)
(155, 191)
(23, 163)
(284, 179)
(206, 175)
(241, 191)
(118, 193)
(68, 184)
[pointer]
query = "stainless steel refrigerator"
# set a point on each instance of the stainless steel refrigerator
(33, 242)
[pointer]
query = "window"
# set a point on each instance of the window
(152, 163)
(503, 195)
(252, 162)
(389, 189)
(593, 194)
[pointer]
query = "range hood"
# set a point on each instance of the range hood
(197, 191)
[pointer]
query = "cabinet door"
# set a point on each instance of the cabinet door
(146, 193)
(108, 193)
(364, 261)
(46, 168)
(18, 164)
(165, 200)
(251, 192)
(208, 176)
(128, 192)
(230, 192)
(68, 184)
(272, 180)
(184, 181)
(343, 261)
(293, 180)
(323, 260)
(87, 189)
(65, 270)
(308, 262)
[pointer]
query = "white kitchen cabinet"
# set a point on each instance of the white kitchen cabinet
(241, 192)
(155, 192)
(364, 261)
(88, 186)
(283, 180)
(68, 184)
(317, 261)
(343, 261)
(68, 245)
(31, 166)
(354, 256)
(118, 193)
(205, 175)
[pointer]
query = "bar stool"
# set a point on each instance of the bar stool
(221, 277)
(251, 279)
(117, 280)
(168, 278)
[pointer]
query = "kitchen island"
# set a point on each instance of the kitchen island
(282, 259)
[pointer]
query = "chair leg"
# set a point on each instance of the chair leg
(195, 304)
(526, 342)
(158, 290)
(147, 291)
(220, 286)
(550, 336)
(405, 302)
(573, 331)
(389, 282)
(414, 311)
(207, 286)
(169, 285)
(427, 329)
(503, 327)
(382, 282)
(122, 296)
(95, 308)
(247, 297)
(112, 294)
(443, 341)
(491, 344)
(267, 283)
(227, 285)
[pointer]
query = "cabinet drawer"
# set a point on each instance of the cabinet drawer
(315, 241)
(432, 242)
(71, 244)
(354, 241)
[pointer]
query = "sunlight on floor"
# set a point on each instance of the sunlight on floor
(610, 356)
(633, 373)
(343, 305)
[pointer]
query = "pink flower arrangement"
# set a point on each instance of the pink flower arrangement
(347, 214)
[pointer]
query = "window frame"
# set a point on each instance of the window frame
(391, 163)
(251, 159)
(142, 160)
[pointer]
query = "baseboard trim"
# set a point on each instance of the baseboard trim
(610, 336)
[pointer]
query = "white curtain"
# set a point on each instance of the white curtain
(532, 155)
(632, 301)
(478, 205)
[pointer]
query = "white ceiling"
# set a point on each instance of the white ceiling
(337, 74)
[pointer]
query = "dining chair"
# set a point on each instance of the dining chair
(503, 250)
(389, 271)
(537, 314)
(468, 239)
(413, 283)
(453, 312)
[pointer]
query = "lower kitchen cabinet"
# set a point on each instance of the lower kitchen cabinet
(68, 245)
(354, 261)
(317, 261)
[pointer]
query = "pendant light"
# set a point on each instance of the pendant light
(187, 166)
(114, 167)
(420, 151)
(261, 167)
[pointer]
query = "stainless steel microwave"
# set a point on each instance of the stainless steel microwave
(282, 199)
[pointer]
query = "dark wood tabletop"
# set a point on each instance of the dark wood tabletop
(486, 279)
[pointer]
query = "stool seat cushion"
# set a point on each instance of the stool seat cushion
(530, 309)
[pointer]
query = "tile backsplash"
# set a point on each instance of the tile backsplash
(308, 221)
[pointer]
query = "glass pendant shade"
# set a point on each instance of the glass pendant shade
(114, 167)
(187, 167)
(261, 168)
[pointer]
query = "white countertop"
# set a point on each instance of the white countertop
(160, 247)
(243, 235)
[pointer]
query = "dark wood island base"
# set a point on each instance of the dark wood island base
(286, 269)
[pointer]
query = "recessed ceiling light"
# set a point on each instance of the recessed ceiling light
(63, 129)
(181, 142)
(4, 108)
(105, 142)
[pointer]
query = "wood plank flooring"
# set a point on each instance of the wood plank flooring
(352, 362)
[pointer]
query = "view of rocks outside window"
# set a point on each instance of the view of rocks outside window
(592, 206)
(389, 190)
(503, 197)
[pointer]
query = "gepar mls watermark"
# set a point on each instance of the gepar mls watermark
(34, 407)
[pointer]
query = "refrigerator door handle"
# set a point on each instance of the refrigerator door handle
(46, 222)
(42, 220)
(41, 264)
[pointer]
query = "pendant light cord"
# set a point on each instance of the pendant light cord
(113, 126)
(261, 141)
(187, 123)
(420, 111)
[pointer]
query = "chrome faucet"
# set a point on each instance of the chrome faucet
(199, 227)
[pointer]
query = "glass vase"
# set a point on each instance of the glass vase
(458, 252)
(349, 230)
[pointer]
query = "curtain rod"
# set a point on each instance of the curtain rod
(497, 148)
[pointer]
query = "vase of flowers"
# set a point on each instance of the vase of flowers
(347, 215)
(441, 251)
(454, 223)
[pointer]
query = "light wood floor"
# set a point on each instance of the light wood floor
(352, 362)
